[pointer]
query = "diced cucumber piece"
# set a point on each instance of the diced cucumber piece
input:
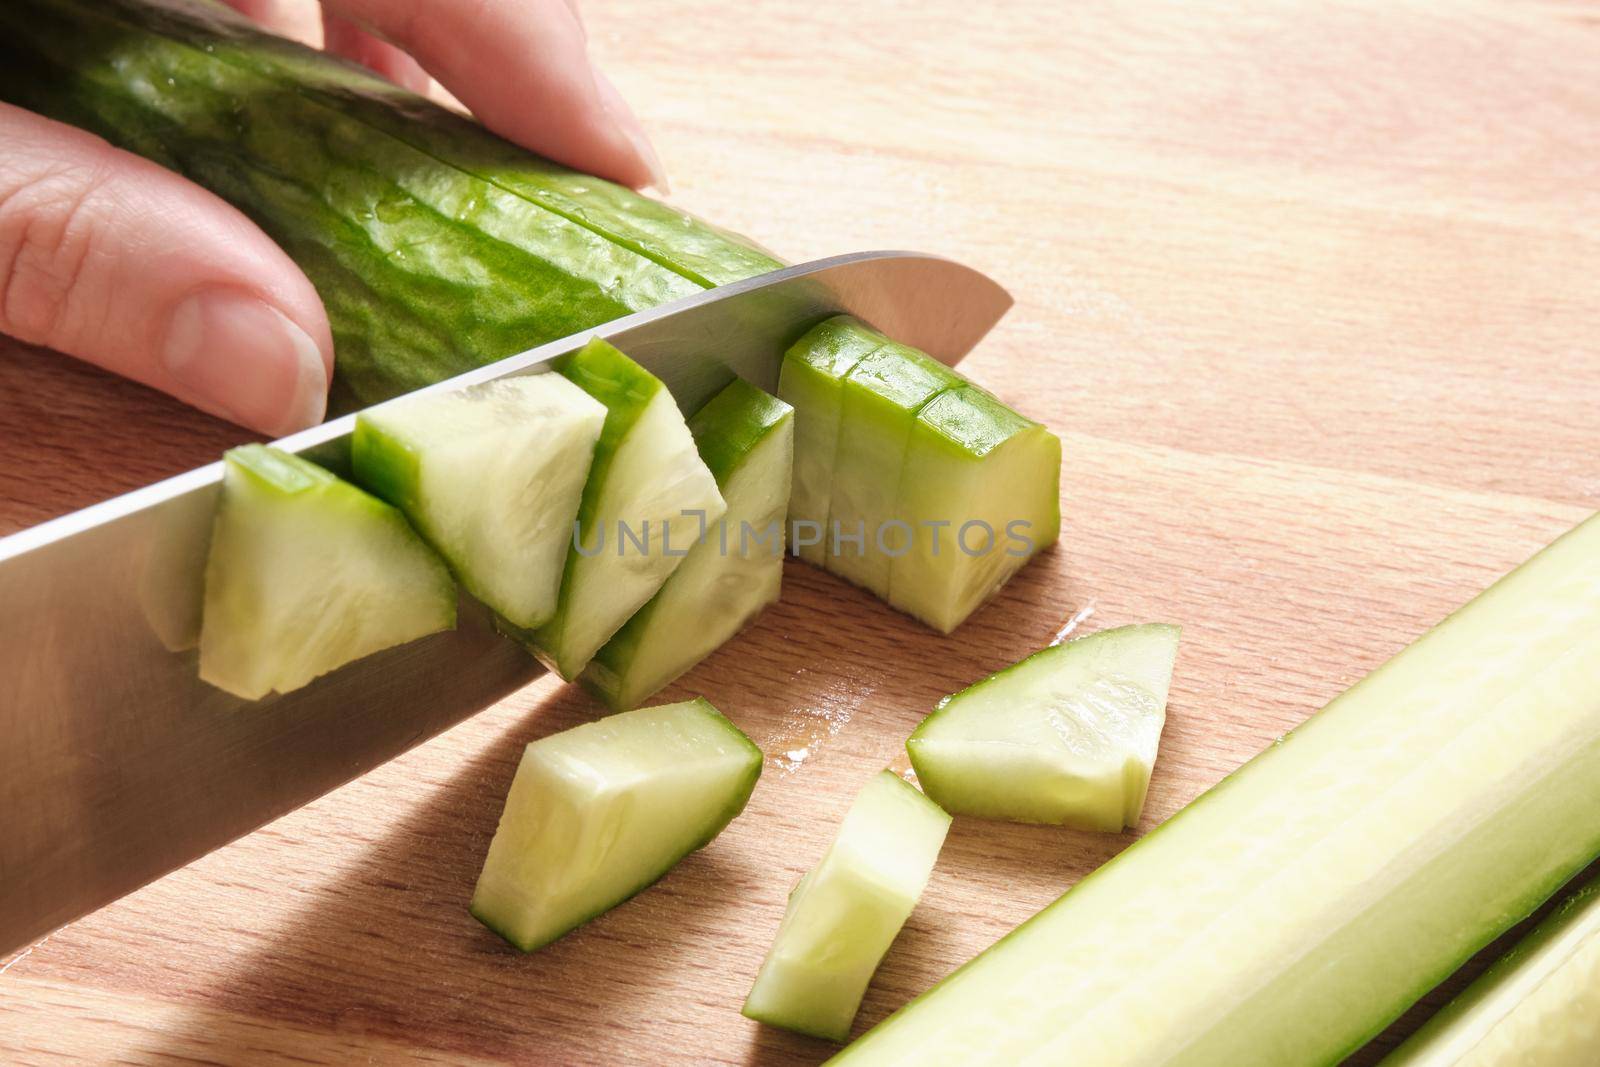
(981, 493)
(846, 911)
(306, 573)
(648, 497)
(746, 439)
(1067, 736)
(1539, 1003)
(491, 476)
(810, 382)
(602, 811)
(1297, 908)
(879, 401)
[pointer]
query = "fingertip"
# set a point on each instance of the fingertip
(647, 163)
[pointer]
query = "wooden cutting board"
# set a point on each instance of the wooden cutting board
(1310, 292)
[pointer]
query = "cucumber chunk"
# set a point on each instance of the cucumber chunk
(1067, 736)
(981, 494)
(846, 911)
(602, 811)
(1298, 907)
(810, 381)
(644, 504)
(746, 439)
(878, 404)
(306, 573)
(491, 476)
(1538, 1004)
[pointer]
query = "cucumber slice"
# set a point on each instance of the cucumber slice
(1538, 1004)
(647, 496)
(746, 439)
(491, 476)
(810, 381)
(878, 404)
(602, 811)
(1067, 736)
(846, 911)
(306, 573)
(1300, 906)
(981, 493)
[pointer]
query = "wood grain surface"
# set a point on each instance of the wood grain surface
(1311, 293)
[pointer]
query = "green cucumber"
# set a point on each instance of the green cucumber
(878, 403)
(648, 498)
(1538, 1004)
(810, 381)
(847, 911)
(306, 573)
(1067, 736)
(435, 245)
(981, 494)
(746, 439)
(491, 476)
(1293, 911)
(602, 811)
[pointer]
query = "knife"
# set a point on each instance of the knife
(117, 764)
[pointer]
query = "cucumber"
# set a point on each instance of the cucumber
(306, 573)
(879, 399)
(491, 476)
(1293, 911)
(436, 246)
(1067, 736)
(602, 811)
(810, 381)
(648, 498)
(746, 439)
(981, 494)
(846, 911)
(1538, 1004)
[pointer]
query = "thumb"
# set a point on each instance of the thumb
(112, 259)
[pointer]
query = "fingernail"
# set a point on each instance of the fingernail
(245, 360)
(631, 128)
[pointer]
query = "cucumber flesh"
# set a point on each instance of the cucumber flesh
(1296, 909)
(647, 495)
(306, 573)
(1067, 736)
(981, 494)
(491, 476)
(1538, 1004)
(746, 439)
(599, 812)
(879, 401)
(846, 911)
(810, 381)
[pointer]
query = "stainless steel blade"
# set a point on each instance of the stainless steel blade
(117, 764)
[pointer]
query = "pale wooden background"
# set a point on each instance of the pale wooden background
(1312, 294)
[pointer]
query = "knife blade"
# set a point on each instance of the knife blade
(117, 764)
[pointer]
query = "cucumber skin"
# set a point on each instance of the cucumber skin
(735, 808)
(598, 251)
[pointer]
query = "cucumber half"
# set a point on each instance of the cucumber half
(846, 911)
(306, 573)
(599, 812)
(810, 381)
(746, 439)
(492, 477)
(1538, 1004)
(1297, 908)
(648, 498)
(1067, 736)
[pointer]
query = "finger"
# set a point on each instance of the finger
(344, 38)
(110, 258)
(296, 19)
(522, 67)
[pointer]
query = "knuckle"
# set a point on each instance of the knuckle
(49, 225)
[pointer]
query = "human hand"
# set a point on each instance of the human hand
(110, 258)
